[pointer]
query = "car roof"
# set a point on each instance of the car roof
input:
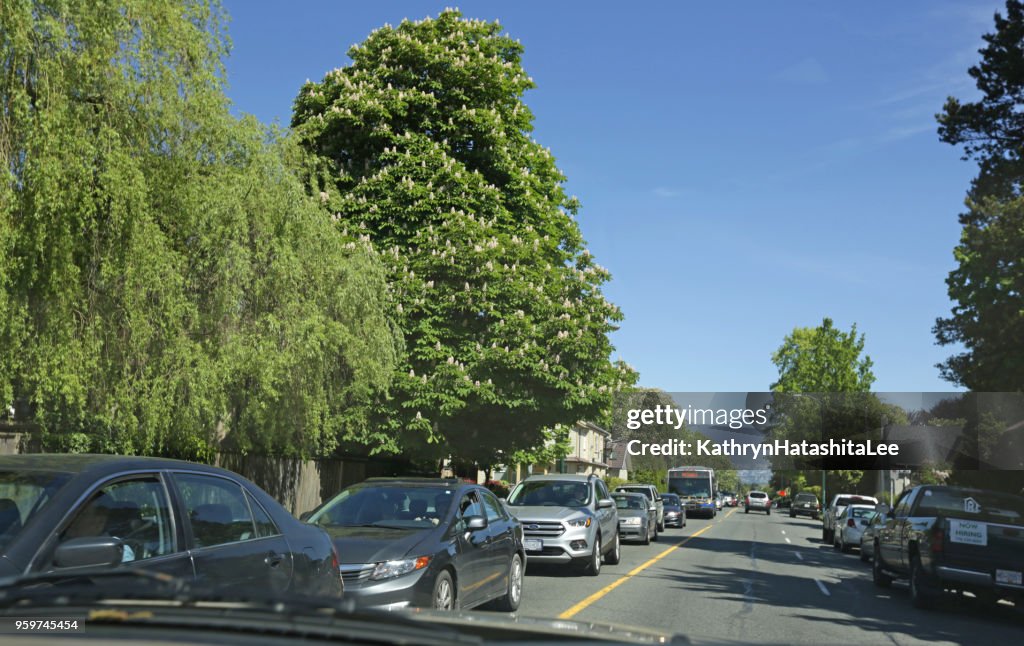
(575, 477)
(634, 485)
(98, 464)
(626, 494)
(429, 482)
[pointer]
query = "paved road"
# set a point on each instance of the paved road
(751, 578)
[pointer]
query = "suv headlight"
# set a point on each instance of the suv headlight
(632, 520)
(579, 522)
(390, 569)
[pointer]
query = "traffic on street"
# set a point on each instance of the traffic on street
(750, 578)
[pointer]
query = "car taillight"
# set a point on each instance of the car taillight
(850, 523)
(938, 536)
(335, 561)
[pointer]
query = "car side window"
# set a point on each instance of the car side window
(264, 524)
(469, 505)
(137, 511)
(492, 507)
(602, 491)
(217, 509)
(903, 503)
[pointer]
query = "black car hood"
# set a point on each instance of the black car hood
(375, 544)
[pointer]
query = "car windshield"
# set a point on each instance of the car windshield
(550, 493)
(22, 495)
(398, 507)
(629, 502)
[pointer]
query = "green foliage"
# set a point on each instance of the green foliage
(422, 147)
(987, 286)
(822, 360)
(650, 476)
(988, 316)
(166, 280)
(614, 482)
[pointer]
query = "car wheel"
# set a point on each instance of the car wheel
(647, 536)
(792, 515)
(768, 512)
(510, 602)
(444, 592)
(594, 561)
(880, 578)
(661, 526)
(843, 547)
(922, 592)
(746, 510)
(864, 556)
(615, 555)
(655, 532)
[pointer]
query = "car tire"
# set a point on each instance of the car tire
(768, 512)
(880, 578)
(863, 553)
(443, 596)
(746, 510)
(514, 593)
(647, 537)
(593, 566)
(792, 515)
(922, 592)
(843, 547)
(656, 532)
(661, 526)
(615, 554)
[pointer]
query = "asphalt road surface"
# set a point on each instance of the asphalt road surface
(751, 578)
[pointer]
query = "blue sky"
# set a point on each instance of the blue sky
(743, 170)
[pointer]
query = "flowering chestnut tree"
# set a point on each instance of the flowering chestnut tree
(422, 146)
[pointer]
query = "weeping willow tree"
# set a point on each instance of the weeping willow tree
(166, 283)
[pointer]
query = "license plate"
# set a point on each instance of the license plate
(533, 544)
(1008, 576)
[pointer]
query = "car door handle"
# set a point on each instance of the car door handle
(273, 559)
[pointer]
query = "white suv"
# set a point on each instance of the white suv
(758, 500)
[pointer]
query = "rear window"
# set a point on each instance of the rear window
(644, 490)
(844, 501)
(806, 497)
(758, 494)
(988, 505)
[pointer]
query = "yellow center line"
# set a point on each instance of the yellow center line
(582, 605)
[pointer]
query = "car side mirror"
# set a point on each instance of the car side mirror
(89, 551)
(304, 516)
(475, 523)
(605, 503)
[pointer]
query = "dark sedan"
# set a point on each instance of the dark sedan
(675, 515)
(199, 523)
(431, 543)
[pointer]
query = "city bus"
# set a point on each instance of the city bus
(696, 487)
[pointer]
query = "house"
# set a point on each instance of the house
(620, 462)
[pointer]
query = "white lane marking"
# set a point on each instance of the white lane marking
(788, 541)
(783, 531)
(824, 590)
(798, 555)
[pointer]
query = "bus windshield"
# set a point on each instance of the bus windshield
(690, 487)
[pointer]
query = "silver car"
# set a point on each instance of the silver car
(567, 519)
(638, 520)
(850, 524)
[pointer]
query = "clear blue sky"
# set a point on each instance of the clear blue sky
(742, 170)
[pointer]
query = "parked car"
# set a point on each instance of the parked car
(675, 515)
(653, 497)
(209, 526)
(805, 504)
(867, 537)
(758, 500)
(425, 542)
(850, 525)
(952, 538)
(638, 520)
(839, 502)
(730, 499)
(567, 519)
